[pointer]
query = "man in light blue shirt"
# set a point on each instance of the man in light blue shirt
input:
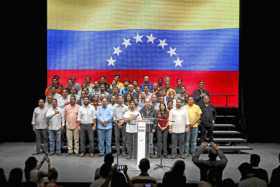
(104, 118)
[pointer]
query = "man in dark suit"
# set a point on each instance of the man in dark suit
(199, 93)
(211, 170)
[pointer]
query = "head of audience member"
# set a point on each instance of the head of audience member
(178, 168)
(146, 89)
(155, 86)
(15, 177)
(126, 83)
(64, 93)
(86, 101)
(147, 103)
(135, 83)
(52, 90)
(171, 94)
(146, 79)
(83, 94)
(190, 101)
(102, 80)
(129, 97)
(72, 100)
(87, 80)
(160, 99)
(113, 99)
(228, 182)
(120, 100)
(41, 103)
(162, 108)
(49, 99)
(142, 97)
(52, 175)
(178, 103)
(73, 91)
(54, 103)
(160, 82)
(154, 98)
(55, 81)
(255, 160)
(206, 100)
(130, 88)
(132, 105)
(30, 164)
(179, 83)
(3, 179)
(117, 78)
(170, 104)
(102, 88)
(115, 91)
(244, 170)
(95, 101)
(104, 102)
(144, 165)
(109, 159)
(201, 85)
(114, 83)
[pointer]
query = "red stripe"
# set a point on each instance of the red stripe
(222, 85)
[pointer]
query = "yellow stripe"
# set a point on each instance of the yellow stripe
(91, 15)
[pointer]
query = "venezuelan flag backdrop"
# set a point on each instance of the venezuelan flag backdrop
(190, 39)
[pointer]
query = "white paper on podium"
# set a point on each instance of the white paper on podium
(141, 141)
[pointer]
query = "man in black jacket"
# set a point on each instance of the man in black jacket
(207, 120)
(211, 170)
(199, 93)
(148, 112)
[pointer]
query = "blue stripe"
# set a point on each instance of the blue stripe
(208, 50)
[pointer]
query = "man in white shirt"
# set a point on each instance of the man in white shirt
(55, 117)
(179, 125)
(118, 111)
(131, 129)
(87, 120)
(40, 127)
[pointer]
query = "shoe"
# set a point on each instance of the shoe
(51, 154)
(82, 154)
(100, 154)
(164, 155)
(182, 156)
(173, 156)
(91, 155)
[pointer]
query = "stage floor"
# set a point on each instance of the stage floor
(76, 169)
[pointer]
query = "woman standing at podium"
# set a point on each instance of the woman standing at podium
(130, 118)
(162, 130)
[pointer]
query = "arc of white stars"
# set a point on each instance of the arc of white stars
(150, 38)
(111, 61)
(162, 43)
(178, 62)
(126, 42)
(171, 51)
(117, 51)
(138, 38)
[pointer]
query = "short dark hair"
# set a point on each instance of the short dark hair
(144, 165)
(212, 154)
(109, 158)
(255, 160)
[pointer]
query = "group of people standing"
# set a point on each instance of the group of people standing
(77, 112)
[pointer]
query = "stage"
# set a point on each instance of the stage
(77, 169)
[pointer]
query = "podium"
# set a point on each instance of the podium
(141, 140)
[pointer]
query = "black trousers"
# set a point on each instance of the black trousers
(206, 133)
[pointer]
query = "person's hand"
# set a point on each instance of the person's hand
(170, 130)
(188, 129)
(215, 146)
(93, 127)
(204, 145)
(153, 130)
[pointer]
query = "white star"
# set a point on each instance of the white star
(151, 38)
(178, 62)
(138, 38)
(111, 61)
(117, 51)
(172, 51)
(126, 42)
(162, 43)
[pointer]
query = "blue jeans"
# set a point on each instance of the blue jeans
(104, 140)
(191, 141)
(55, 141)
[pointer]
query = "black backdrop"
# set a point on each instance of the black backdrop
(23, 75)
